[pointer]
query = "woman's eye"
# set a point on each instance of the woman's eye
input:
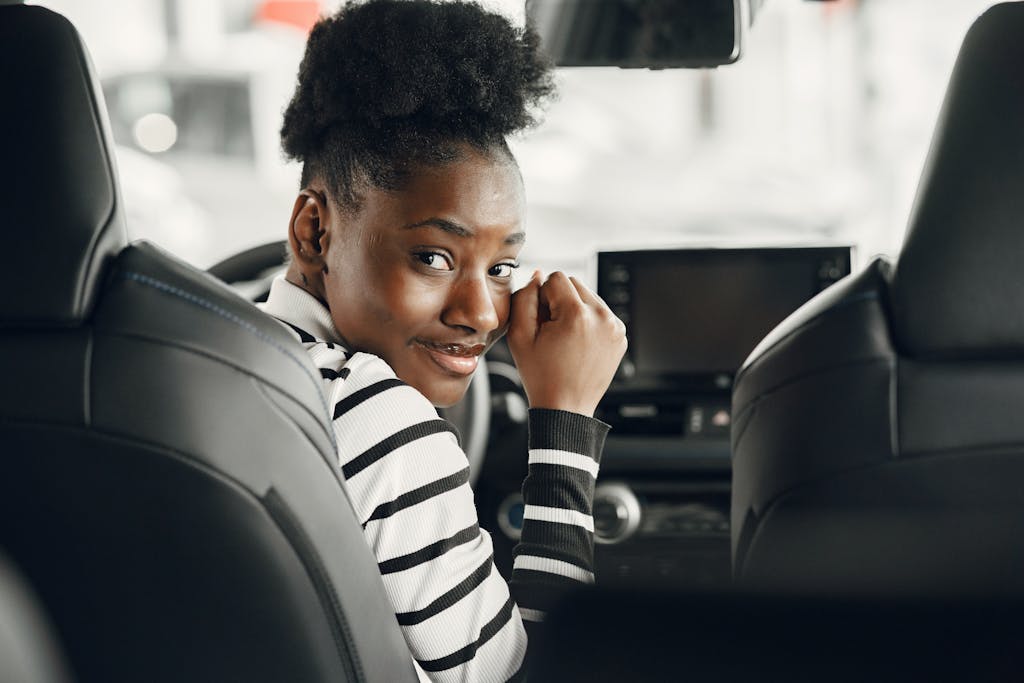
(433, 260)
(503, 270)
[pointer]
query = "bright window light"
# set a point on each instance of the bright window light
(155, 133)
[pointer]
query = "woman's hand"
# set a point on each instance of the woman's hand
(566, 343)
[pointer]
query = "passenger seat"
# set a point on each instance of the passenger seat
(878, 438)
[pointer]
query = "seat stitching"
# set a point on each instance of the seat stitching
(227, 315)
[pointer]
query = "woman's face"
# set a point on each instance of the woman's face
(422, 277)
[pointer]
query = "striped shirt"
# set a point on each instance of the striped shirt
(408, 480)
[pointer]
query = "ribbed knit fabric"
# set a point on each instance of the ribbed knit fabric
(408, 479)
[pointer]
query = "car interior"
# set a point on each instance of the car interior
(843, 502)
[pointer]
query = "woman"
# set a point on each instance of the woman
(403, 241)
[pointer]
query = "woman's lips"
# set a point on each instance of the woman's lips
(456, 359)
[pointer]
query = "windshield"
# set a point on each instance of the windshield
(816, 136)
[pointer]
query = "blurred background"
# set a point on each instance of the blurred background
(817, 136)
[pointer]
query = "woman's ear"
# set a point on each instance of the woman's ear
(308, 237)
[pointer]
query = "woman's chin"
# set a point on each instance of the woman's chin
(446, 393)
(446, 399)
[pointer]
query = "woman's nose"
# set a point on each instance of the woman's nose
(471, 305)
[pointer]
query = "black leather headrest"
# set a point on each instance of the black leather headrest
(958, 287)
(60, 208)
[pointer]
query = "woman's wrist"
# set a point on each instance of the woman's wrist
(566, 430)
(565, 407)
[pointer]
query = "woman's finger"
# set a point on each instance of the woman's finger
(586, 294)
(523, 312)
(560, 294)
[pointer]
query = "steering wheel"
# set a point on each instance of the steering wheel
(250, 274)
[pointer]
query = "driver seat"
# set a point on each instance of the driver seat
(170, 486)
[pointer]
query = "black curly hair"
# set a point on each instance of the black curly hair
(389, 85)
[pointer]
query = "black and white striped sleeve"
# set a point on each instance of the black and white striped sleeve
(408, 479)
(556, 550)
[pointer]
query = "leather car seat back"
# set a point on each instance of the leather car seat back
(170, 482)
(956, 290)
(62, 216)
(877, 439)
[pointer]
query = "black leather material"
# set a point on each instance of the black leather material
(812, 401)
(636, 636)
(959, 278)
(877, 440)
(170, 482)
(29, 652)
(171, 487)
(62, 215)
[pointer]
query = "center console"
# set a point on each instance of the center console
(693, 315)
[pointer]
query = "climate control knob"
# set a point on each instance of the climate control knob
(616, 513)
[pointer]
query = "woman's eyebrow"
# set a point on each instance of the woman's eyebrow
(442, 224)
(460, 230)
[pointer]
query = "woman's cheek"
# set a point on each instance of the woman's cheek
(503, 309)
(410, 300)
(503, 306)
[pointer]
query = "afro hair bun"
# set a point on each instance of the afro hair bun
(391, 78)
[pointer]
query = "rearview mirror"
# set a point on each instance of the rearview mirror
(654, 34)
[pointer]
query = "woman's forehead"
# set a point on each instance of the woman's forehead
(465, 198)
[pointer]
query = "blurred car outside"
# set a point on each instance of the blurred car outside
(195, 93)
(215, 121)
(216, 127)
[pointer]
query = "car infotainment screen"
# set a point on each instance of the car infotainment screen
(700, 312)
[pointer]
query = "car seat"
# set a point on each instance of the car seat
(878, 443)
(28, 648)
(169, 485)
